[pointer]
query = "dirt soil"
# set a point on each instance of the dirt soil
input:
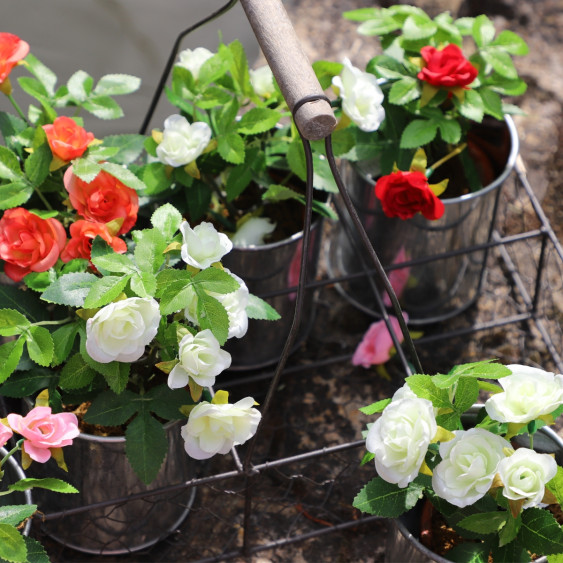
(319, 408)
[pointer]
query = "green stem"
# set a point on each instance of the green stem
(17, 108)
(451, 154)
(42, 198)
(59, 322)
(12, 452)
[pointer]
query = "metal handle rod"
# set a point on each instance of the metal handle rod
(291, 67)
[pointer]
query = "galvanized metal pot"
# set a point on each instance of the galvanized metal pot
(269, 271)
(99, 469)
(441, 286)
(403, 541)
(12, 473)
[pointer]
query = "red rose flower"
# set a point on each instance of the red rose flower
(12, 50)
(82, 233)
(447, 68)
(103, 200)
(67, 139)
(403, 194)
(29, 243)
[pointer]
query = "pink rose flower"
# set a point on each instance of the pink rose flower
(43, 431)
(5, 434)
(375, 347)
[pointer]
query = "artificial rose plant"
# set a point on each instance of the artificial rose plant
(486, 485)
(108, 307)
(435, 79)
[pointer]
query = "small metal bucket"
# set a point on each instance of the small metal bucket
(12, 473)
(98, 468)
(272, 271)
(443, 278)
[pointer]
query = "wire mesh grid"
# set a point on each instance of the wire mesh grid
(295, 502)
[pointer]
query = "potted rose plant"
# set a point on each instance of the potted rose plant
(489, 470)
(427, 180)
(122, 324)
(231, 155)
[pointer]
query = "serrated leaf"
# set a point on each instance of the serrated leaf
(212, 315)
(103, 107)
(15, 193)
(215, 280)
(511, 43)
(258, 120)
(40, 345)
(418, 132)
(10, 355)
(80, 85)
(105, 290)
(12, 322)
(167, 219)
(146, 446)
(86, 168)
(483, 30)
(70, 289)
(472, 107)
(76, 373)
(35, 551)
(418, 26)
(484, 523)
(63, 339)
(150, 245)
(166, 402)
(556, 485)
(381, 498)
(45, 75)
(12, 544)
(513, 552)
(231, 148)
(26, 383)
(501, 62)
(376, 407)
(49, 483)
(38, 162)
(540, 532)
(424, 387)
(259, 309)
(404, 90)
(15, 514)
(117, 84)
(466, 393)
(111, 409)
(155, 178)
(129, 147)
(450, 131)
(124, 175)
(9, 165)
(143, 284)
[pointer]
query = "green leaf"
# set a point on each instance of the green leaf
(472, 106)
(510, 530)
(49, 483)
(501, 61)
(466, 394)
(12, 322)
(110, 409)
(105, 290)
(80, 85)
(417, 133)
(15, 514)
(114, 262)
(12, 544)
(469, 553)
(70, 289)
(38, 162)
(40, 345)
(129, 147)
(9, 165)
(14, 193)
(166, 402)
(424, 387)
(45, 75)
(484, 523)
(103, 107)
(86, 168)
(258, 120)
(450, 130)
(326, 71)
(10, 355)
(150, 245)
(143, 284)
(511, 43)
(26, 383)
(76, 373)
(231, 148)
(381, 498)
(124, 175)
(376, 407)
(146, 446)
(540, 532)
(212, 315)
(63, 340)
(117, 84)
(35, 551)
(483, 30)
(513, 552)
(116, 374)
(259, 309)
(556, 485)
(14, 297)
(296, 159)
(167, 219)
(155, 178)
(404, 90)
(418, 26)
(215, 280)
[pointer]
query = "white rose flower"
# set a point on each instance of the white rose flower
(404, 392)
(399, 438)
(528, 394)
(524, 475)
(262, 81)
(216, 428)
(361, 97)
(203, 245)
(182, 141)
(235, 304)
(121, 330)
(201, 358)
(468, 467)
(252, 232)
(193, 59)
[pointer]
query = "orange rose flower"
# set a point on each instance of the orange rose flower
(103, 200)
(67, 139)
(12, 50)
(82, 233)
(29, 243)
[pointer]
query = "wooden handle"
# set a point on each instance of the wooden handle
(290, 66)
